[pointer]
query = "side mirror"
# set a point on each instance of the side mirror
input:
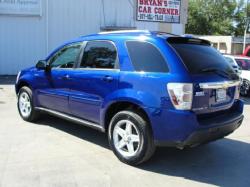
(42, 65)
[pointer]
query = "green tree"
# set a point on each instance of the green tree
(216, 17)
(240, 18)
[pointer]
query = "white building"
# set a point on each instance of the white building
(30, 29)
(227, 44)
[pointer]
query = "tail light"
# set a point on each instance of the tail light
(181, 95)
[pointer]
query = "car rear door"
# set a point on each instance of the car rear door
(94, 80)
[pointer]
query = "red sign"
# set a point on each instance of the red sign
(159, 10)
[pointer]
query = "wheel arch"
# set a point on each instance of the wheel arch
(21, 84)
(245, 79)
(118, 106)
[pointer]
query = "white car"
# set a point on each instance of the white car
(243, 68)
(232, 60)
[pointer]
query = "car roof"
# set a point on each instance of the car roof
(127, 34)
(237, 57)
(242, 57)
(131, 33)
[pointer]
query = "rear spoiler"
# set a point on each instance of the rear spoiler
(188, 40)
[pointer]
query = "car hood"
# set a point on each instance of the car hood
(245, 75)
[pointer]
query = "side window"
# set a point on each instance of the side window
(243, 63)
(66, 57)
(146, 57)
(99, 54)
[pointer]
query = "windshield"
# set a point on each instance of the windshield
(244, 63)
(197, 55)
(230, 61)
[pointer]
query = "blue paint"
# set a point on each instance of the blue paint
(86, 95)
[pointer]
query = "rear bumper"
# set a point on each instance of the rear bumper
(206, 135)
(187, 129)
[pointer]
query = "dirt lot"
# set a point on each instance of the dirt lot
(58, 153)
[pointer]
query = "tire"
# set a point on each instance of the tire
(25, 105)
(122, 138)
(245, 88)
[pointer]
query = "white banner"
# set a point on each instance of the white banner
(21, 7)
(159, 10)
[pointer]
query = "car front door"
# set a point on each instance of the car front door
(95, 78)
(54, 88)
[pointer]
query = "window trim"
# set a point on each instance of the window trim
(95, 69)
(158, 49)
(63, 47)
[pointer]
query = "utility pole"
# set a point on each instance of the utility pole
(246, 28)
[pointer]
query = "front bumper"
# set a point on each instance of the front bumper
(187, 129)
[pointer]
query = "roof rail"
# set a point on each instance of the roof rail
(163, 33)
(125, 31)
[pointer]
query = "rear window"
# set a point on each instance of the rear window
(243, 63)
(146, 57)
(198, 55)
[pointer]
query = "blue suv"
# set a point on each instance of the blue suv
(145, 89)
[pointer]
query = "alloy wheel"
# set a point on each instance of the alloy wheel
(126, 138)
(24, 104)
(244, 88)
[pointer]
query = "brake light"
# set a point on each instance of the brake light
(181, 95)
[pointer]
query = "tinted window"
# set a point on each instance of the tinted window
(99, 54)
(66, 57)
(146, 57)
(243, 63)
(199, 55)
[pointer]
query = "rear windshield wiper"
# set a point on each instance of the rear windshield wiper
(222, 73)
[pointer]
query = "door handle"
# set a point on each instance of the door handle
(108, 78)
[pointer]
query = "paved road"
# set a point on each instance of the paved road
(57, 153)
